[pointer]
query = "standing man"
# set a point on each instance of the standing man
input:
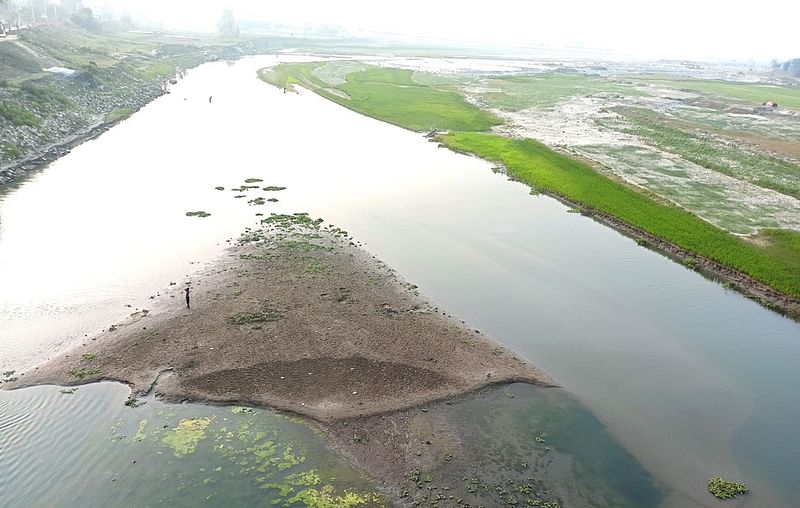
(187, 297)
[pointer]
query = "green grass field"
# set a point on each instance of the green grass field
(392, 95)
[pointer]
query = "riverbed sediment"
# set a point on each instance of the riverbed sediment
(294, 317)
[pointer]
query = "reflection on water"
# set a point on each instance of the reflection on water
(694, 380)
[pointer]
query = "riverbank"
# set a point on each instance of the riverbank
(297, 318)
(740, 264)
(63, 85)
(766, 268)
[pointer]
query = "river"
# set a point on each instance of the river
(695, 381)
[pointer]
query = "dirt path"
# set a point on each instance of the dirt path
(297, 318)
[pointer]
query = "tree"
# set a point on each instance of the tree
(227, 25)
(84, 18)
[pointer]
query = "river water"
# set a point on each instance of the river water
(693, 380)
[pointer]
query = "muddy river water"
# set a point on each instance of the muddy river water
(692, 380)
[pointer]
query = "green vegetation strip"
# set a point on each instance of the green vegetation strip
(777, 264)
(392, 95)
(118, 114)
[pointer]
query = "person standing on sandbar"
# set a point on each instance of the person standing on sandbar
(187, 297)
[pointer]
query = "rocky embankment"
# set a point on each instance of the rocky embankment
(57, 112)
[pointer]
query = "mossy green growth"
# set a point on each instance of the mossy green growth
(17, 115)
(265, 315)
(133, 402)
(725, 489)
(83, 372)
(274, 188)
(199, 213)
(118, 114)
(12, 151)
(253, 180)
(184, 438)
(88, 356)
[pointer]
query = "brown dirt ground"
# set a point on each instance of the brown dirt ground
(299, 320)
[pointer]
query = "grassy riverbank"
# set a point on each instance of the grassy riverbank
(776, 264)
(392, 95)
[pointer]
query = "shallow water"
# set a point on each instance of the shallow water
(693, 380)
(88, 449)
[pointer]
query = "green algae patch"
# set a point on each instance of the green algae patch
(253, 180)
(198, 213)
(140, 431)
(184, 438)
(326, 497)
(273, 188)
(236, 454)
(312, 493)
(725, 489)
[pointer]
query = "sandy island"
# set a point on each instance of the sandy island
(297, 318)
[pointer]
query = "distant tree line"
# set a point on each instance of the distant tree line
(34, 12)
(792, 67)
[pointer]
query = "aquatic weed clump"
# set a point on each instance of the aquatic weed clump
(725, 489)
(286, 222)
(184, 438)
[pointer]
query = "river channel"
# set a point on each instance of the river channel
(693, 380)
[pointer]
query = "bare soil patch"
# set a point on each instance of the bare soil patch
(297, 318)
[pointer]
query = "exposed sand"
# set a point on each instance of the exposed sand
(296, 318)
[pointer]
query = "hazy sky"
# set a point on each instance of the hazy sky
(656, 28)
